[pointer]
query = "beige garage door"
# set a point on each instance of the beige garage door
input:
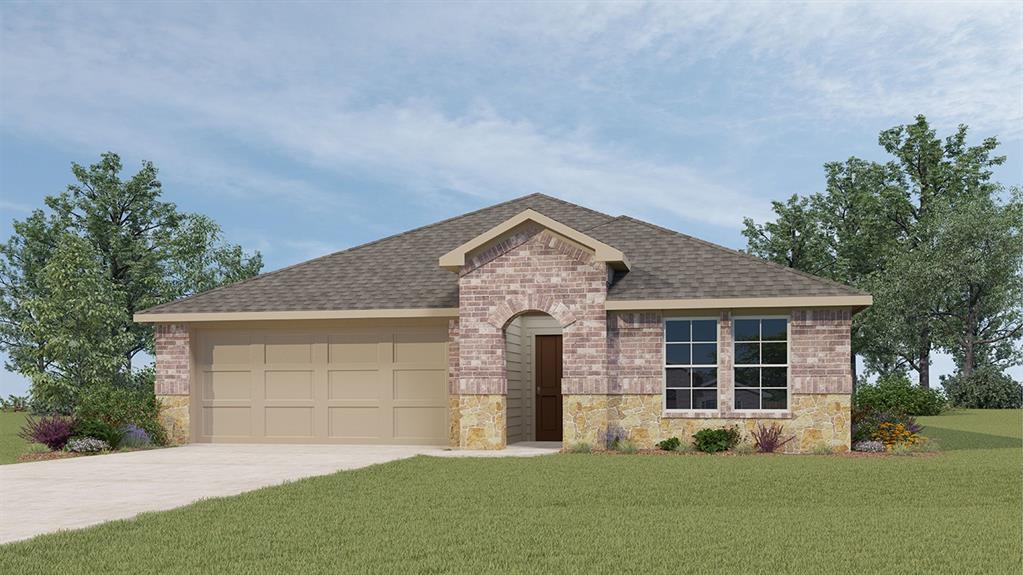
(354, 383)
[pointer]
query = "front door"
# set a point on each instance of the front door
(548, 388)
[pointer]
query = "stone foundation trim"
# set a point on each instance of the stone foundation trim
(175, 419)
(481, 421)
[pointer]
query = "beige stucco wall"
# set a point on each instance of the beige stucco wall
(815, 419)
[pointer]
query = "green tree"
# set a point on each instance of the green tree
(127, 250)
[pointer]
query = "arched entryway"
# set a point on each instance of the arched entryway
(533, 365)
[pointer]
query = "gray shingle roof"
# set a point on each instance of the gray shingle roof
(401, 271)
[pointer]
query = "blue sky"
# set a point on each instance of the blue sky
(308, 128)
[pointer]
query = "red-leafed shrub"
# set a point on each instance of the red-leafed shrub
(53, 432)
(769, 439)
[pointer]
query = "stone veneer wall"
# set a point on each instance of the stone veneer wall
(173, 385)
(531, 269)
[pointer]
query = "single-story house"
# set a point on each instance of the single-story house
(531, 320)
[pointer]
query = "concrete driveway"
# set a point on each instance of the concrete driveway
(46, 496)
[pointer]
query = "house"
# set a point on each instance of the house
(534, 319)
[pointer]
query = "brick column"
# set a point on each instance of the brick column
(173, 380)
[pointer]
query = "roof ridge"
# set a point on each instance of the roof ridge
(370, 243)
(740, 253)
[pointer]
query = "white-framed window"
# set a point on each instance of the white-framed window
(761, 363)
(690, 364)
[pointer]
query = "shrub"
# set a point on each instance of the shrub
(581, 447)
(99, 429)
(868, 446)
(714, 440)
(892, 434)
(866, 422)
(986, 388)
(120, 406)
(53, 432)
(36, 448)
(768, 439)
(685, 448)
(626, 446)
(87, 445)
(670, 444)
(901, 449)
(822, 449)
(134, 436)
(612, 436)
(895, 393)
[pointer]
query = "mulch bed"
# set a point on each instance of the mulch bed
(661, 452)
(47, 455)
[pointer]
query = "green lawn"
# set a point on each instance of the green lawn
(958, 512)
(11, 446)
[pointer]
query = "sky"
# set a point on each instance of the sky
(309, 128)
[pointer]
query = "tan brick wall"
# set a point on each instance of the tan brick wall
(819, 351)
(815, 419)
(532, 270)
(172, 359)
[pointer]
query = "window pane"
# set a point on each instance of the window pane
(705, 399)
(747, 353)
(677, 354)
(747, 399)
(775, 398)
(676, 377)
(747, 329)
(775, 377)
(705, 353)
(677, 331)
(747, 377)
(775, 353)
(773, 329)
(677, 399)
(705, 377)
(705, 330)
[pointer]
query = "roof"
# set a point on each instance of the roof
(663, 265)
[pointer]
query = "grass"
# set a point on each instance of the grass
(958, 512)
(11, 446)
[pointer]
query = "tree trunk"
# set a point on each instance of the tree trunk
(852, 371)
(925, 367)
(969, 342)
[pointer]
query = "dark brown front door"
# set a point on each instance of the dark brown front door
(548, 388)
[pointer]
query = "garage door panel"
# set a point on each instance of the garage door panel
(350, 382)
(289, 422)
(227, 422)
(419, 423)
(353, 384)
(289, 385)
(227, 385)
(354, 422)
(421, 385)
(289, 348)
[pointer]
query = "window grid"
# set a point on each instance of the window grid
(761, 365)
(689, 346)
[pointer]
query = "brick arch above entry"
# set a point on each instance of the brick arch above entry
(517, 305)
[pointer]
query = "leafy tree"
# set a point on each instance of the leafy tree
(877, 226)
(72, 280)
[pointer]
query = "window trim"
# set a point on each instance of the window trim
(787, 365)
(665, 366)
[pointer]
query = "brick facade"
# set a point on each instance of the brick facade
(820, 351)
(172, 359)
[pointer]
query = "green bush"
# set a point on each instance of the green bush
(895, 393)
(99, 429)
(715, 440)
(119, 406)
(670, 444)
(581, 447)
(626, 446)
(986, 388)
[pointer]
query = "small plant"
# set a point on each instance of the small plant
(612, 436)
(768, 439)
(822, 449)
(868, 446)
(53, 432)
(99, 429)
(670, 444)
(901, 449)
(134, 436)
(866, 423)
(745, 448)
(685, 448)
(925, 445)
(715, 440)
(87, 445)
(581, 447)
(892, 434)
(34, 448)
(627, 446)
